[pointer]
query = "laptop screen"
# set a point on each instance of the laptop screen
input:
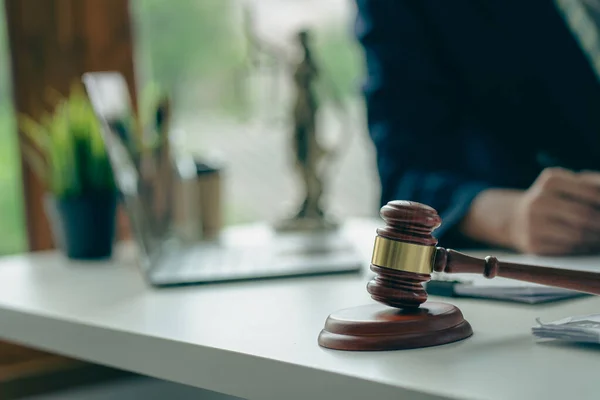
(109, 96)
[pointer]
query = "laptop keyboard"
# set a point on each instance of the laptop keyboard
(217, 263)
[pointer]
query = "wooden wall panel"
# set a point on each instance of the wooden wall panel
(53, 42)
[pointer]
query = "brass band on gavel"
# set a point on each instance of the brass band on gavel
(403, 256)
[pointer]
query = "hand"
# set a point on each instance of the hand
(559, 214)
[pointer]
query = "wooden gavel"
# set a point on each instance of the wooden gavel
(406, 253)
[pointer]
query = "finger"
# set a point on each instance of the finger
(559, 238)
(563, 240)
(582, 187)
(591, 177)
(565, 235)
(579, 217)
(547, 236)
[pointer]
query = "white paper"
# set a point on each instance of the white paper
(584, 328)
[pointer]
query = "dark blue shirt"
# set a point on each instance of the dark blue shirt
(465, 95)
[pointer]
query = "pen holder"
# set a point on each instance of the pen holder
(198, 205)
(209, 182)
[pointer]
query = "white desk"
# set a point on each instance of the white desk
(229, 338)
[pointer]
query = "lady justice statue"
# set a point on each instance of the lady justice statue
(311, 158)
(307, 150)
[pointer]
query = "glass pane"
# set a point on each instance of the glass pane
(229, 66)
(12, 226)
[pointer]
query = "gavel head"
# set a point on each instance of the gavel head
(404, 254)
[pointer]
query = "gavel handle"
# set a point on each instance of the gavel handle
(450, 261)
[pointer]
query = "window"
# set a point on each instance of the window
(12, 226)
(232, 95)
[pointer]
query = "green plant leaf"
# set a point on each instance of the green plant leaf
(36, 162)
(35, 132)
(71, 157)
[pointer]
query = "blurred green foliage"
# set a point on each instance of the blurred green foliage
(341, 61)
(68, 152)
(199, 44)
(12, 226)
(12, 223)
(182, 40)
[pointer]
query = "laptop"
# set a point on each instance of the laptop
(240, 253)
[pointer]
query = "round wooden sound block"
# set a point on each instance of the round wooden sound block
(379, 327)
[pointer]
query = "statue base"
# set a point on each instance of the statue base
(306, 225)
(377, 327)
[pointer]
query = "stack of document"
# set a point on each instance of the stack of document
(477, 286)
(575, 329)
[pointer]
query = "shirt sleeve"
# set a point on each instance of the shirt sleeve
(415, 114)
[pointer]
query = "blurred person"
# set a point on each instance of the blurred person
(489, 111)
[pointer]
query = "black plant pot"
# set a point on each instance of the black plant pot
(84, 226)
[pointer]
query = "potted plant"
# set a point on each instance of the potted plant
(67, 152)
